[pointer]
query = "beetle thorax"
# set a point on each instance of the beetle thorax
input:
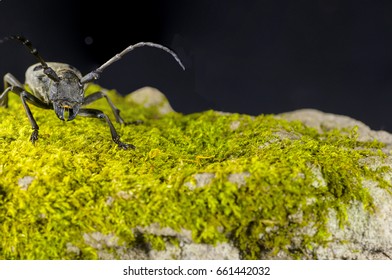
(67, 90)
(41, 85)
(67, 94)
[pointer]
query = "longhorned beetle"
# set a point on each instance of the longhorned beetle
(61, 87)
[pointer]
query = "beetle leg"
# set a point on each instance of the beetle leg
(98, 95)
(93, 113)
(26, 96)
(9, 80)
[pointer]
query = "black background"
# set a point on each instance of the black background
(249, 57)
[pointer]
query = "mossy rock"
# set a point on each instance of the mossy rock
(203, 185)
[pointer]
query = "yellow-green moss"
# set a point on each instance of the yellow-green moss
(82, 183)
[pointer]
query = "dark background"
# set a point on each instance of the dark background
(254, 57)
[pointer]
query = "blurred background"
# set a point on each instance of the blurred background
(253, 57)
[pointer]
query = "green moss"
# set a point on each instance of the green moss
(83, 184)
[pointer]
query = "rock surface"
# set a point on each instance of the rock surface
(210, 185)
(151, 97)
(321, 120)
(368, 236)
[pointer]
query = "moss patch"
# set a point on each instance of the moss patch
(74, 192)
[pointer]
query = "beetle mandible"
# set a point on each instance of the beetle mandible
(61, 87)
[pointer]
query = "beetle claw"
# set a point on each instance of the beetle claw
(125, 146)
(34, 136)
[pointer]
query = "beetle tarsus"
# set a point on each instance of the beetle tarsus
(100, 94)
(123, 146)
(94, 113)
(34, 136)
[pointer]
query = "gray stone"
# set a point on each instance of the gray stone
(151, 97)
(25, 182)
(368, 235)
(238, 178)
(327, 121)
(201, 180)
(221, 251)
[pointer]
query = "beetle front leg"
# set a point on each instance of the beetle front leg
(116, 112)
(24, 97)
(34, 125)
(93, 113)
(9, 80)
(98, 95)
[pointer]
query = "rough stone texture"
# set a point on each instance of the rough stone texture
(368, 236)
(221, 251)
(151, 97)
(321, 120)
(192, 251)
(238, 178)
(201, 180)
(155, 229)
(25, 182)
(109, 249)
(187, 249)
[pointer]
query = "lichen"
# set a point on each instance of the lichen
(84, 187)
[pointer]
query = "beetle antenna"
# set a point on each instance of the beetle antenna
(94, 75)
(47, 70)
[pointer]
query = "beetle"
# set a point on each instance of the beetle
(61, 87)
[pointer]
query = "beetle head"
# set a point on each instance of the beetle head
(67, 95)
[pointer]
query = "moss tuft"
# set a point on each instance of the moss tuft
(267, 179)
